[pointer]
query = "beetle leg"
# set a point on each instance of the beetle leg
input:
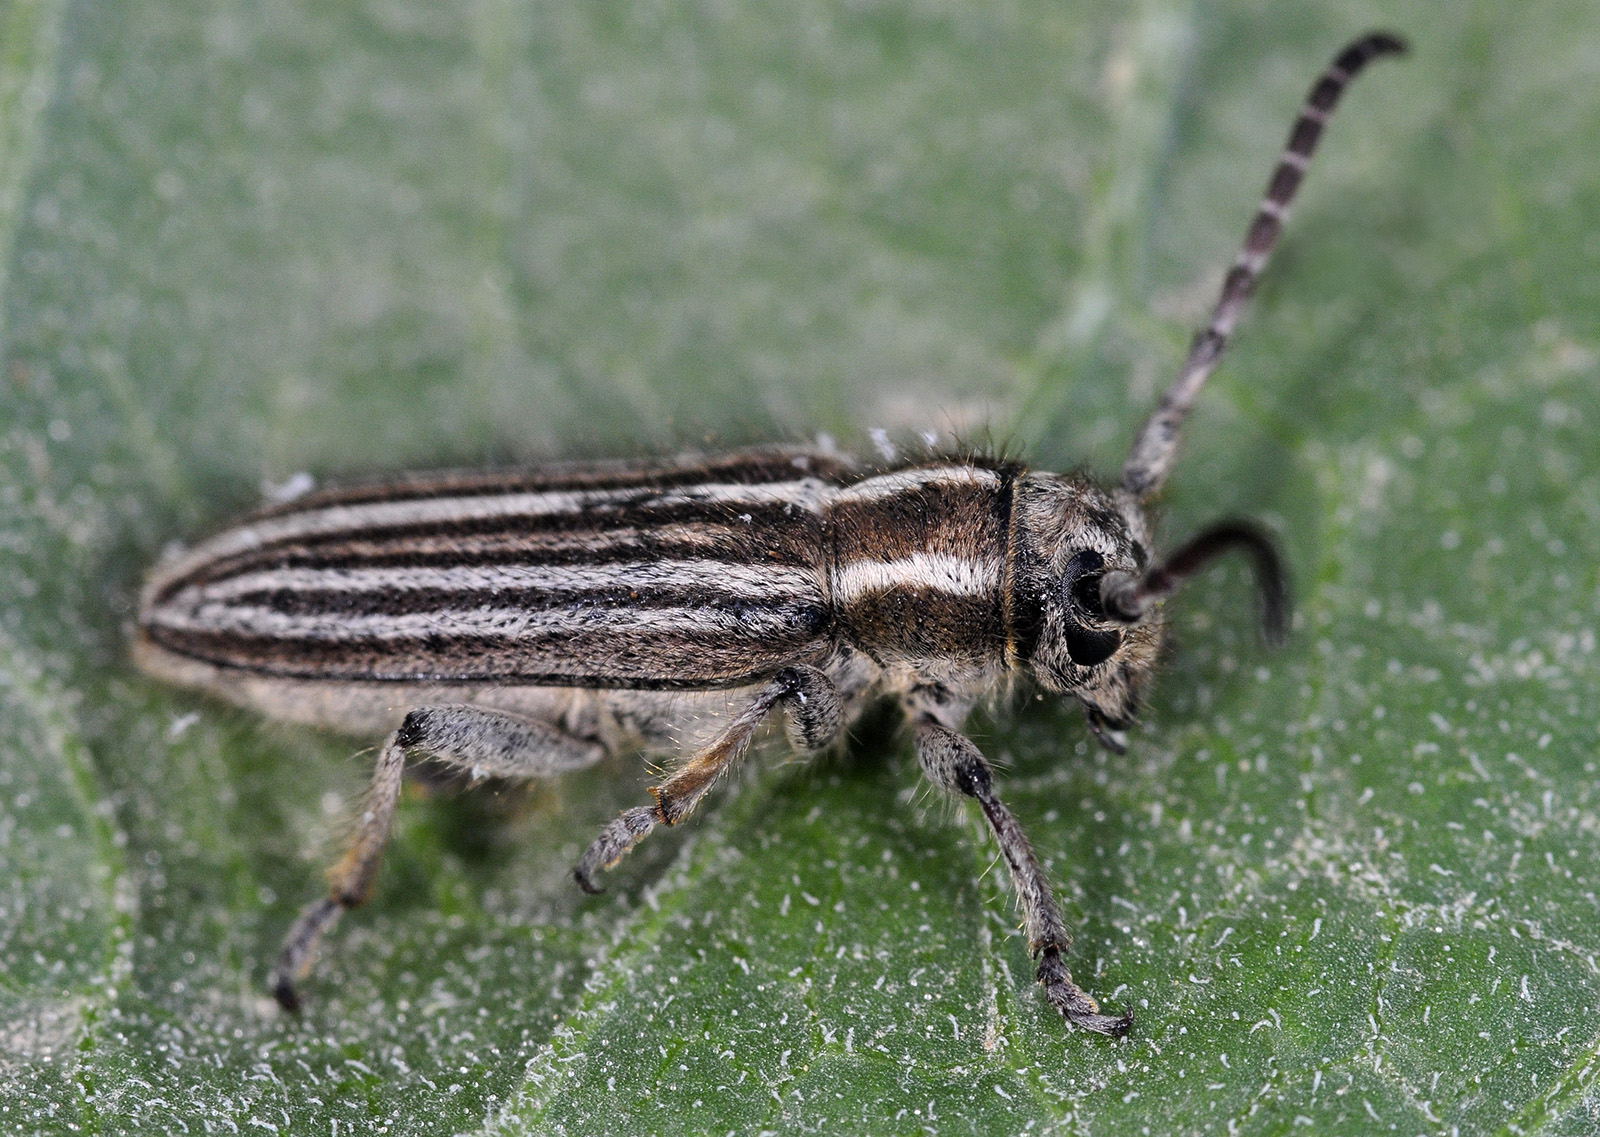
(951, 761)
(485, 743)
(815, 717)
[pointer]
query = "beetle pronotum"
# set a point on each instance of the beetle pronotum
(535, 621)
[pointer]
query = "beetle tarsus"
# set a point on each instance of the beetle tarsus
(621, 835)
(294, 960)
(287, 997)
(1075, 1006)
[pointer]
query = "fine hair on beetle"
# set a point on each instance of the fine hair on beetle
(522, 624)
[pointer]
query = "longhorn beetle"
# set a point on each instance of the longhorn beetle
(534, 621)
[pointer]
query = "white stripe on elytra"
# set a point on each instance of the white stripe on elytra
(940, 572)
(757, 582)
(470, 623)
(335, 519)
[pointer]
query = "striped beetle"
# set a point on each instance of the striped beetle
(535, 621)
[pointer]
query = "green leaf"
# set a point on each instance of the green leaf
(1349, 887)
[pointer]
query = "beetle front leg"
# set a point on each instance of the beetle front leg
(952, 762)
(475, 740)
(815, 716)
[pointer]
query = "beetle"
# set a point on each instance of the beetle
(530, 622)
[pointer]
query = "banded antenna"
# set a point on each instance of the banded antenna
(1153, 452)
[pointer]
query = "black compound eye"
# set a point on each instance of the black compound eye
(1086, 594)
(1089, 648)
(1080, 580)
(1081, 583)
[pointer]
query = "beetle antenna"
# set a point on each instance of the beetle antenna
(1127, 599)
(1156, 447)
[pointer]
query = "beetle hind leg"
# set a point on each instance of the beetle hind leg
(473, 740)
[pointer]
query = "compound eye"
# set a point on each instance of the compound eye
(1081, 584)
(1086, 591)
(1080, 581)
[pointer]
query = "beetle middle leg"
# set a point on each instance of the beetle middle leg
(816, 714)
(951, 761)
(474, 740)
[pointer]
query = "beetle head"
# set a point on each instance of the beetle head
(1086, 595)
(1069, 535)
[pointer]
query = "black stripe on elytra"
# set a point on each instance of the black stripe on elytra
(736, 543)
(767, 519)
(804, 609)
(739, 468)
(659, 661)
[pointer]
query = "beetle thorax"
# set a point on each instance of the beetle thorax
(918, 563)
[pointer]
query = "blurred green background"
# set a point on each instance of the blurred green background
(1347, 888)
